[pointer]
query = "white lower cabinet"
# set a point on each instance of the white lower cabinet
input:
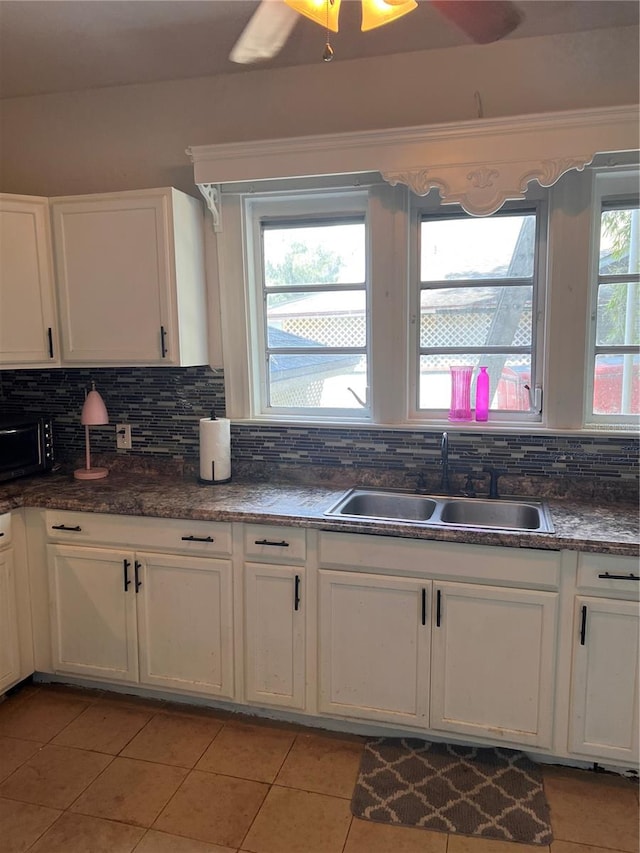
(374, 641)
(603, 713)
(93, 617)
(493, 662)
(185, 624)
(275, 635)
(275, 615)
(604, 689)
(9, 645)
(161, 620)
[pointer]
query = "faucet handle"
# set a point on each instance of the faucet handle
(421, 484)
(469, 488)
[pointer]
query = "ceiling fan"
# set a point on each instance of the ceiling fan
(264, 36)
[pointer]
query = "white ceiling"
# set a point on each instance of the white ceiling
(66, 45)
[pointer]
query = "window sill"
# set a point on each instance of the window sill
(497, 427)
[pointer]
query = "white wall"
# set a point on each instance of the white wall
(135, 136)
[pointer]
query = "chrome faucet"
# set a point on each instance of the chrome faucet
(444, 461)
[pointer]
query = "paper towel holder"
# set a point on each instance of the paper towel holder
(213, 481)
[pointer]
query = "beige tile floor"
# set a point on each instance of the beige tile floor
(91, 772)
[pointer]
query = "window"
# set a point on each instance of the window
(614, 357)
(310, 310)
(478, 302)
(349, 303)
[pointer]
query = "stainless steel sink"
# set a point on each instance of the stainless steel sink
(397, 506)
(502, 514)
(442, 511)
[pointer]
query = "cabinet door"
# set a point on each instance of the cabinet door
(604, 684)
(9, 650)
(185, 623)
(493, 662)
(27, 307)
(274, 635)
(93, 620)
(374, 647)
(113, 266)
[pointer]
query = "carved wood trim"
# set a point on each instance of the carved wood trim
(478, 164)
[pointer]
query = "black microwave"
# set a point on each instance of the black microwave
(26, 446)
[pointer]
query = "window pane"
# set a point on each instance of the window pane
(616, 389)
(619, 241)
(329, 319)
(476, 316)
(466, 248)
(316, 254)
(321, 381)
(508, 376)
(618, 318)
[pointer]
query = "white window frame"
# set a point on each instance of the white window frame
(617, 186)
(432, 206)
(563, 331)
(305, 207)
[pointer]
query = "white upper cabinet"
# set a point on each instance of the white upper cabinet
(130, 277)
(28, 336)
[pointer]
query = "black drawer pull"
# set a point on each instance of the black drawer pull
(50, 340)
(198, 539)
(136, 568)
(424, 606)
(282, 544)
(296, 594)
(127, 582)
(629, 577)
(438, 608)
(583, 624)
(75, 529)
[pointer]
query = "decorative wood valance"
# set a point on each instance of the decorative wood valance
(479, 164)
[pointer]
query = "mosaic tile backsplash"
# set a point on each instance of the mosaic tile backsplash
(164, 406)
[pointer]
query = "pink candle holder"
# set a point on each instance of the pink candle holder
(460, 409)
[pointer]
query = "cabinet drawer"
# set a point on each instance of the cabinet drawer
(516, 567)
(271, 543)
(608, 575)
(5, 529)
(126, 531)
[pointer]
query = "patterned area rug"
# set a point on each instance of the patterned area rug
(492, 793)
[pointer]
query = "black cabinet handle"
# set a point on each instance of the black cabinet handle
(127, 582)
(629, 577)
(50, 340)
(424, 606)
(136, 568)
(163, 346)
(282, 544)
(583, 624)
(438, 607)
(198, 539)
(296, 593)
(75, 529)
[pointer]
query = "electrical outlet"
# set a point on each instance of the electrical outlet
(123, 436)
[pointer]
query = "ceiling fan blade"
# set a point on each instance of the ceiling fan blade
(482, 20)
(265, 34)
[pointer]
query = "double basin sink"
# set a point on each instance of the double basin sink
(442, 511)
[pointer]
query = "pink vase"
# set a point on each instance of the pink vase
(460, 409)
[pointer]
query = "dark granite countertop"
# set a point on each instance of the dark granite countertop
(586, 525)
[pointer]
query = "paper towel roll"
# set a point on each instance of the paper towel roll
(215, 449)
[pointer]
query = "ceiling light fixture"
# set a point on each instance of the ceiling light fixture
(375, 13)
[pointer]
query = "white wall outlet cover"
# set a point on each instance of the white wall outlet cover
(123, 436)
